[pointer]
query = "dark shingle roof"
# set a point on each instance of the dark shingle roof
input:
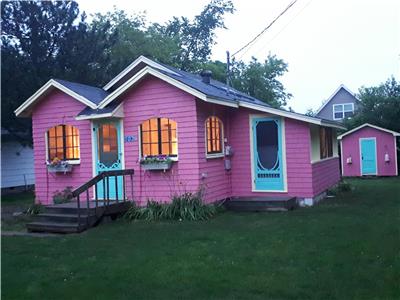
(215, 89)
(99, 111)
(93, 94)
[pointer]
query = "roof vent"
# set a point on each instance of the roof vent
(206, 76)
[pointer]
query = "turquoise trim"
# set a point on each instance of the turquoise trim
(368, 156)
(268, 179)
(100, 167)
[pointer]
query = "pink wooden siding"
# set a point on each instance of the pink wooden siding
(325, 174)
(385, 143)
(299, 173)
(58, 108)
(216, 181)
(154, 98)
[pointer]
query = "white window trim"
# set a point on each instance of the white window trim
(173, 158)
(219, 154)
(343, 111)
(71, 162)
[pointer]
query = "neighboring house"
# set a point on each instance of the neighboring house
(369, 150)
(341, 105)
(221, 140)
(16, 163)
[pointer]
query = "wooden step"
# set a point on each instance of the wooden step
(256, 204)
(54, 227)
(64, 218)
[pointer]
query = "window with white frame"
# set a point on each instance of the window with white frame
(342, 111)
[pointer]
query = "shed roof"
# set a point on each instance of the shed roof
(368, 125)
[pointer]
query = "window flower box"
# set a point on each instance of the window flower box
(59, 166)
(156, 163)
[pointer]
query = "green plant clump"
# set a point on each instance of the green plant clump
(64, 196)
(185, 207)
(34, 209)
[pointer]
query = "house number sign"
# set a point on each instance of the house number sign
(130, 138)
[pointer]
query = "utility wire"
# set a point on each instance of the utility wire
(276, 35)
(266, 28)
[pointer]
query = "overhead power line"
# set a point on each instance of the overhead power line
(266, 28)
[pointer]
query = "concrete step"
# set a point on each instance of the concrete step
(255, 204)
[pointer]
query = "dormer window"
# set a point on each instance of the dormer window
(342, 111)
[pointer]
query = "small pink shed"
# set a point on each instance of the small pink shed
(369, 150)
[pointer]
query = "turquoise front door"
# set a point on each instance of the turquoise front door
(268, 165)
(368, 156)
(107, 137)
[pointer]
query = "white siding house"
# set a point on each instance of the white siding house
(16, 164)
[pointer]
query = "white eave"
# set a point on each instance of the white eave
(394, 133)
(51, 84)
(140, 59)
(118, 112)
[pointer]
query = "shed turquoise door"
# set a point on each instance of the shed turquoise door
(267, 154)
(107, 138)
(368, 156)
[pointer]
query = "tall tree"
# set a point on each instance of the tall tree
(260, 80)
(42, 40)
(379, 105)
(195, 38)
(30, 38)
(134, 39)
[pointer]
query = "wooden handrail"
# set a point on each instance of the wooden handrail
(99, 178)
(105, 176)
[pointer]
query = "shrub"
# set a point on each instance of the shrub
(34, 209)
(64, 196)
(185, 207)
(344, 186)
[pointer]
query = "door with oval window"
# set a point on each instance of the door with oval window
(268, 165)
(107, 137)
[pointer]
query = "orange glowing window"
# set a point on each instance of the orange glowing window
(63, 142)
(214, 135)
(158, 137)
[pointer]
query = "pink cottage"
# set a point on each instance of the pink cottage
(198, 131)
(369, 150)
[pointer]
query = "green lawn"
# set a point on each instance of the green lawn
(15, 203)
(346, 248)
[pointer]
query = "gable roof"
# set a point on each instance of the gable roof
(88, 95)
(342, 86)
(368, 125)
(105, 102)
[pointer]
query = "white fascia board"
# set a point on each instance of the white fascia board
(44, 88)
(369, 125)
(288, 114)
(118, 112)
(140, 59)
(145, 71)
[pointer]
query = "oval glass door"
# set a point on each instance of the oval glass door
(108, 138)
(267, 154)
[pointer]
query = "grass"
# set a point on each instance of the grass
(15, 203)
(344, 248)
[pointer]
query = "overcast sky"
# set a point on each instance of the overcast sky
(325, 42)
